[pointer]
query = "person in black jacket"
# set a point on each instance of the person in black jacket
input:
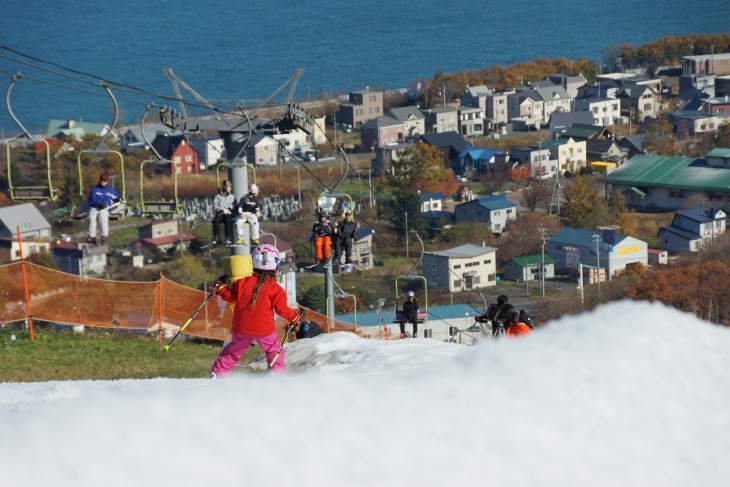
(497, 314)
(346, 234)
(410, 315)
(322, 232)
(307, 329)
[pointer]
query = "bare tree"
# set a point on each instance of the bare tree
(539, 193)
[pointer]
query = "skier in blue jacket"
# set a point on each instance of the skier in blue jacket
(101, 198)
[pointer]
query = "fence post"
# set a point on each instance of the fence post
(25, 285)
(162, 310)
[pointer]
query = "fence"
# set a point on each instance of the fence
(32, 292)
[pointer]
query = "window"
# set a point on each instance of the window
(188, 158)
(488, 261)
(457, 266)
(457, 283)
(647, 107)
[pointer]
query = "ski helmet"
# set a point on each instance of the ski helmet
(501, 299)
(265, 257)
(322, 215)
(411, 294)
(227, 184)
(253, 189)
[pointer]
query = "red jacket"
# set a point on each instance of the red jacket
(518, 329)
(257, 320)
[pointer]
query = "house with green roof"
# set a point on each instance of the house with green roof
(582, 131)
(662, 183)
(528, 268)
(67, 129)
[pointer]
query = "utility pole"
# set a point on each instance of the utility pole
(406, 214)
(542, 231)
(597, 239)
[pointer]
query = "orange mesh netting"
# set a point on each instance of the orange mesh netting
(58, 297)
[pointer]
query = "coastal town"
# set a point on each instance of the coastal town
(550, 189)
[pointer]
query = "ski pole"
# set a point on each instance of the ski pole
(286, 337)
(167, 347)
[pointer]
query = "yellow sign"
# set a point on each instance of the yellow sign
(629, 250)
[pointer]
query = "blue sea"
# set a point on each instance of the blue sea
(236, 52)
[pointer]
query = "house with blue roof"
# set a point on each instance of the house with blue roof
(478, 160)
(605, 250)
(496, 211)
(431, 201)
(692, 229)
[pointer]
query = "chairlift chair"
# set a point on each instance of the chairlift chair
(158, 206)
(38, 192)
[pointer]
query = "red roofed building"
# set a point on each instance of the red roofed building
(164, 235)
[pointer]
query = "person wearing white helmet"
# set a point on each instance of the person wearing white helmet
(249, 212)
(410, 315)
(256, 299)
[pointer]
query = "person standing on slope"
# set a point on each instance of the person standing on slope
(256, 299)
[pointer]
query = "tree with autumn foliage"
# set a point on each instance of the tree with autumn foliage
(421, 167)
(520, 174)
(524, 236)
(538, 193)
(660, 140)
(623, 218)
(585, 208)
(699, 288)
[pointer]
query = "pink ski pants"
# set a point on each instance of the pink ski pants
(232, 353)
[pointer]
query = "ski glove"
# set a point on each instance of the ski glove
(102, 206)
(226, 211)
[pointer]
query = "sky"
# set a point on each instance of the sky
(628, 394)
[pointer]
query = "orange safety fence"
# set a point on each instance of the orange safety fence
(58, 297)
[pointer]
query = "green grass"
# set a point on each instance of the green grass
(99, 354)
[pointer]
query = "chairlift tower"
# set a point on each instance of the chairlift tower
(236, 133)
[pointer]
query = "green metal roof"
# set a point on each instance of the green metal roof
(531, 260)
(671, 172)
(719, 152)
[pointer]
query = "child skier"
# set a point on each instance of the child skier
(256, 299)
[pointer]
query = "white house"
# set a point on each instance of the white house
(692, 229)
(461, 268)
(602, 249)
(495, 211)
(431, 202)
(210, 150)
